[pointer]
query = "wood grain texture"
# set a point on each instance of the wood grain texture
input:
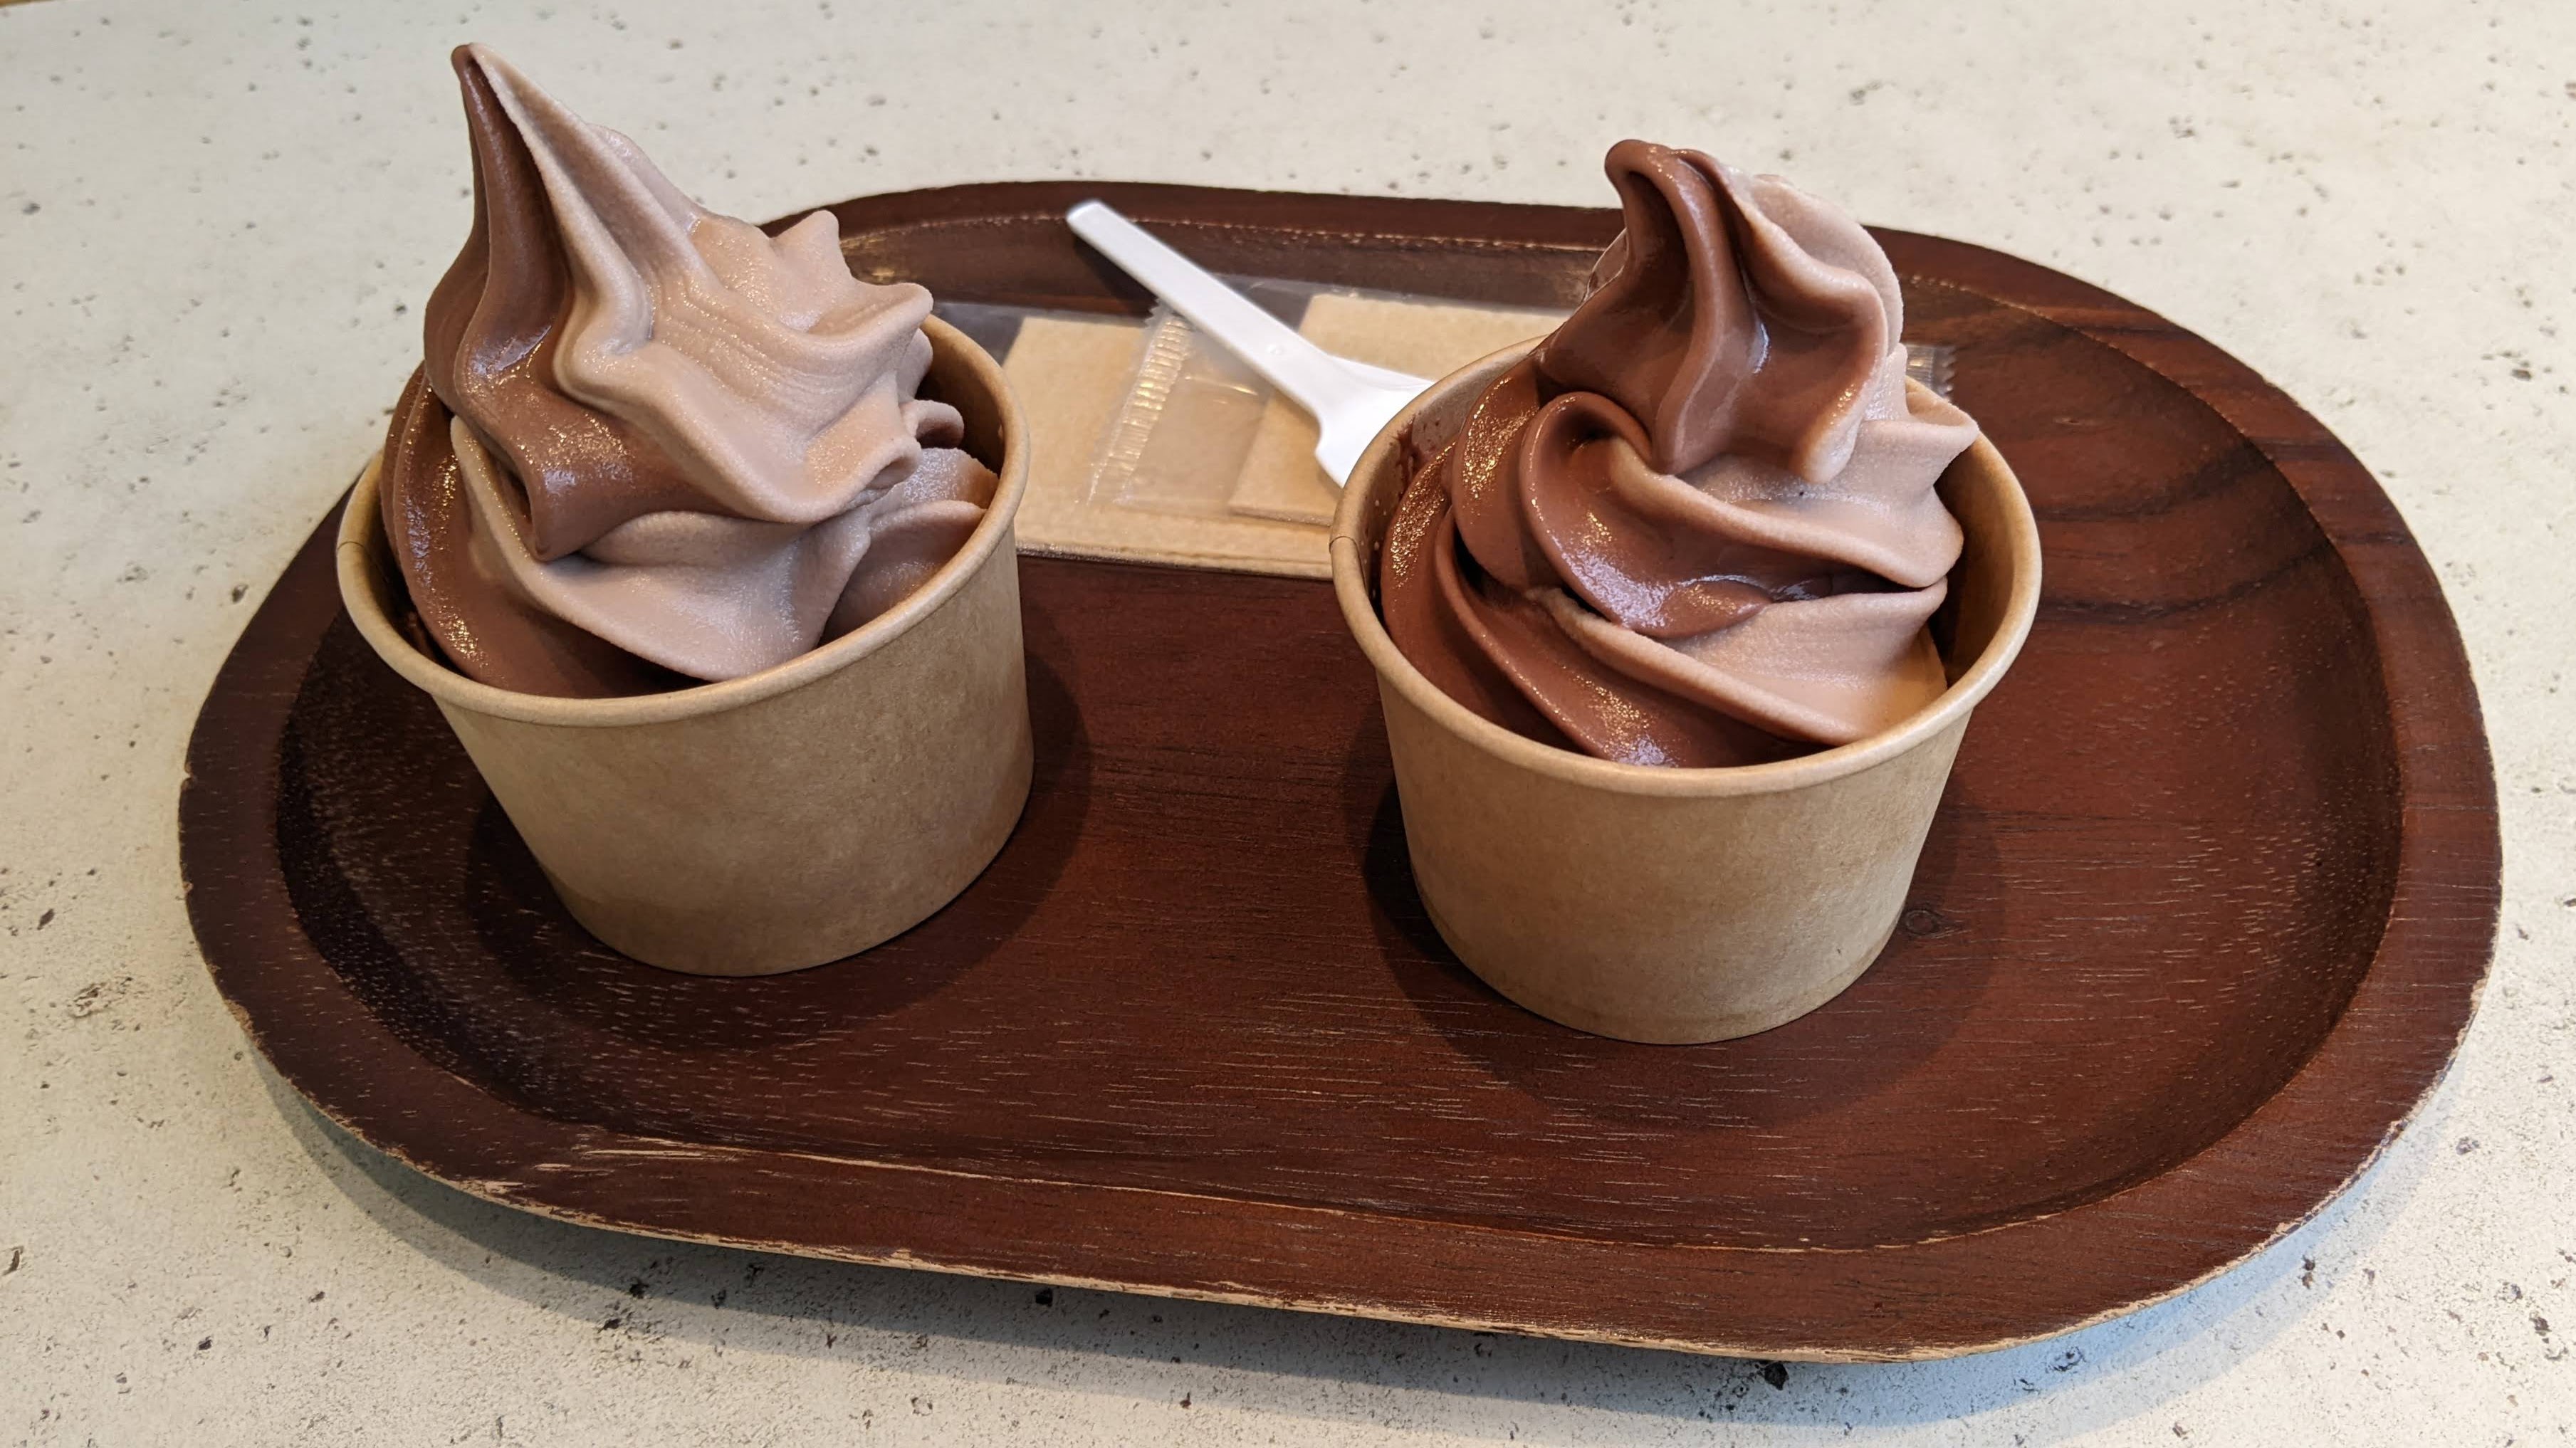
(2201, 920)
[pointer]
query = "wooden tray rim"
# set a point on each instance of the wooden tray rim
(2364, 1083)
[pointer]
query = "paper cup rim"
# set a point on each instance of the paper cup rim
(1359, 610)
(361, 539)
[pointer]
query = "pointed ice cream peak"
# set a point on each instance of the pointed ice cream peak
(680, 435)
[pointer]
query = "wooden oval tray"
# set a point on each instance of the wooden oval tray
(2203, 918)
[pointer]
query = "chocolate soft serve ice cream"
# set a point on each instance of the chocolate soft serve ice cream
(1696, 526)
(651, 445)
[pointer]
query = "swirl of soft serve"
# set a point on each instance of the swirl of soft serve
(1697, 525)
(673, 444)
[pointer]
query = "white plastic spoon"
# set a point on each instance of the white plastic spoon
(1350, 401)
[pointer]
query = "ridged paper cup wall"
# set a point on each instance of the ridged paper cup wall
(1672, 905)
(790, 817)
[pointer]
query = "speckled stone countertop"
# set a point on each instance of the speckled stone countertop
(217, 225)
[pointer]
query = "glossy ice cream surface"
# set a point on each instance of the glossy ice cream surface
(651, 445)
(1696, 526)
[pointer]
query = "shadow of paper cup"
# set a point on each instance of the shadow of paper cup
(789, 817)
(1672, 905)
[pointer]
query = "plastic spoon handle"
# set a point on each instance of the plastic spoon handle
(1313, 378)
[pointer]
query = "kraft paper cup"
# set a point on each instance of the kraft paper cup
(789, 817)
(1672, 905)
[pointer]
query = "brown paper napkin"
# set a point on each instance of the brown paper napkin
(1073, 375)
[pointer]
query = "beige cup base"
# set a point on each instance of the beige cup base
(794, 831)
(791, 817)
(1673, 906)
(1580, 1009)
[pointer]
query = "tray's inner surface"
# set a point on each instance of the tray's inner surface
(1200, 965)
